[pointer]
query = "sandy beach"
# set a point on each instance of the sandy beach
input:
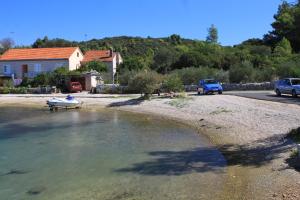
(250, 133)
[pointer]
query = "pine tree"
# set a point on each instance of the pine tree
(212, 35)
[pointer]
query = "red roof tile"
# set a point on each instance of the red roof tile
(98, 55)
(38, 53)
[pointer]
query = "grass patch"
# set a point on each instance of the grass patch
(294, 135)
(294, 153)
(181, 100)
(221, 110)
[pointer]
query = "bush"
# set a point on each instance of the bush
(8, 83)
(42, 79)
(94, 65)
(288, 69)
(145, 82)
(192, 75)
(4, 90)
(241, 73)
(265, 74)
(125, 77)
(13, 90)
(172, 83)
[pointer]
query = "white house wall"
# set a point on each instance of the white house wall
(46, 66)
(75, 60)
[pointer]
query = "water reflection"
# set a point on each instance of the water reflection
(104, 155)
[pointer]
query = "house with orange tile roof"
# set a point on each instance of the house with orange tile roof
(109, 57)
(21, 63)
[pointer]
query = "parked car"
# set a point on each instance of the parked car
(209, 86)
(288, 86)
(74, 87)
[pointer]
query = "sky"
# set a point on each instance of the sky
(236, 20)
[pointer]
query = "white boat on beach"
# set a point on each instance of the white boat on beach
(68, 102)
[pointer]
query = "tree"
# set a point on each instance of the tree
(175, 39)
(133, 63)
(286, 24)
(145, 82)
(241, 72)
(94, 65)
(192, 59)
(163, 59)
(173, 83)
(6, 43)
(283, 48)
(212, 35)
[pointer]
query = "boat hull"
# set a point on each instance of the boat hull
(56, 102)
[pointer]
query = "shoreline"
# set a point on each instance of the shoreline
(247, 131)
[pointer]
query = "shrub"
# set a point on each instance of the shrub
(94, 65)
(8, 83)
(241, 73)
(288, 69)
(265, 74)
(172, 83)
(125, 76)
(145, 82)
(42, 79)
(192, 75)
(4, 90)
(13, 90)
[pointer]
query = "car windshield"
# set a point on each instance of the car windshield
(295, 81)
(211, 82)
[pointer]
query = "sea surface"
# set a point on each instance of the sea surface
(99, 154)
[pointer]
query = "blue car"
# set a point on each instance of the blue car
(209, 86)
(288, 86)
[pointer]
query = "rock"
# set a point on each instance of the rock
(36, 190)
(16, 171)
(283, 195)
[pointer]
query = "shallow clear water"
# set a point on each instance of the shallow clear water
(104, 155)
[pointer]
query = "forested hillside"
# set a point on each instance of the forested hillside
(275, 55)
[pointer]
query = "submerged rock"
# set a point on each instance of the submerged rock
(36, 190)
(16, 171)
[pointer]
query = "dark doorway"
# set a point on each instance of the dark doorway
(24, 70)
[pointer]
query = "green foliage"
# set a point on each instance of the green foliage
(192, 75)
(125, 77)
(8, 83)
(145, 82)
(163, 60)
(13, 90)
(283, 48)
(289, 69)
(94, 65)
(241, 73)
(286, 25)
(172, 83)
(42, 80)
(212, 35)
(175, 39)
(55, 78)
(294, 135)
(132, 64)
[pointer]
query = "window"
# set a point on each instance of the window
(57, 65)
(7, 69)
(295, 81)
(77, 54)
(37, 68)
